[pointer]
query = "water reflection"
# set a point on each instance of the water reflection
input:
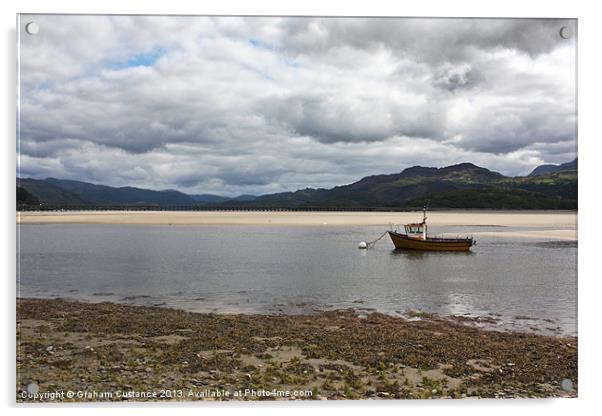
(294, 270)
(422, 255)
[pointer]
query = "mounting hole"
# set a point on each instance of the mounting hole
(566, 384)
(566, 32)
(33, 388)
(32, 28)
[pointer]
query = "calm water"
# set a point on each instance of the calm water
(299, 269)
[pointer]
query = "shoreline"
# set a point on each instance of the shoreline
(467, 218)
(491, 321)
(70, 345)
(530, 225)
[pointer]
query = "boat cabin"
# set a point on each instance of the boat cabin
(417, 230)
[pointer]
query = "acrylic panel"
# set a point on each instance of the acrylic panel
(295, 208)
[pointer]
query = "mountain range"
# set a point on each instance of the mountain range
(464, 185)
(545, 169)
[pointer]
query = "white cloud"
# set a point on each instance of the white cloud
(255, 105)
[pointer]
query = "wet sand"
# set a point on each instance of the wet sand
(537, 224)
(113, 352)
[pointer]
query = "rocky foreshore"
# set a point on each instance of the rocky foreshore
(74, 351)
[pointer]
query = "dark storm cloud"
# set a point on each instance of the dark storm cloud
(427, 40)
(329, 119)
(245, 105)
(456, 78)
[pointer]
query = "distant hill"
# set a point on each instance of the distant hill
(562, 184)
(463, 185)
(66, 192)
(488, 197)
(547, 169)
(24, 197)
(209, 199)
(217, 199)
(458, 186)
(62, 192)
(245, 197)
(107, 195)
(46, 192)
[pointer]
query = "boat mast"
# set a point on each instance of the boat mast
(424, 226)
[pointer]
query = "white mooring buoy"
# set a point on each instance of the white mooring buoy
(364, 245)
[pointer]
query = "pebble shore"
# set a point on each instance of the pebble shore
(75, 351)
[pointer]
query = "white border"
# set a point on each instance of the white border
(589, 178)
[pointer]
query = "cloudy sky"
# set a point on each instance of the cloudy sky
(237, 105)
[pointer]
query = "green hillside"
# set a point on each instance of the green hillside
(493, 197)
(547, 169)
(458, 186)
(24, 197)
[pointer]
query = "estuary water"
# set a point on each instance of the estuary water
(520, 283)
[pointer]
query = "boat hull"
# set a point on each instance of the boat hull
(403, 242)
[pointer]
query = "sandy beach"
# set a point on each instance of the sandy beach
(112, 352)
(539, 225)
(560, 225)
